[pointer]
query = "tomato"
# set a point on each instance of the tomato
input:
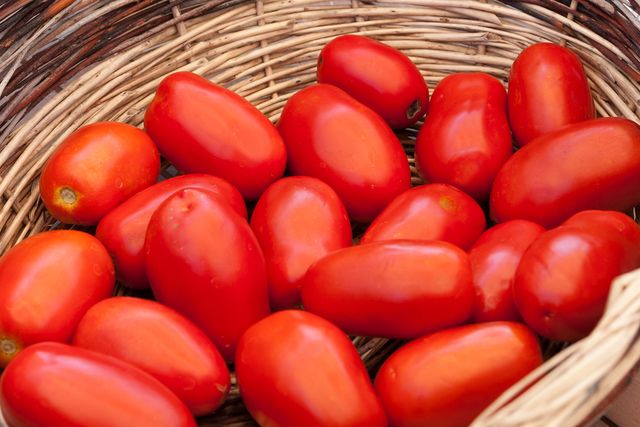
(429, 212)
(465, 138)
(201, 127)
(563, 280)
(297, 221)
(203, 260)
(394, 289)
(297, 369)
(448, 378)
(332, 137)
(162, 343)
(122, 230)
(494, 259)
(47, 283)
(548, 89)
(589, 165)
(381, 77)
(95, 169)
(56, 385)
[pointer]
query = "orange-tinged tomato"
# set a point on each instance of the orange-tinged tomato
(56, 385)
(95, 169)
(47, 283)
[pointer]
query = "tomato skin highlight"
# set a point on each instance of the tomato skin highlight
(123, 230)
(95, 169)
(202, 127)
(47, 283)
(446, 379)
(333, 137)
(203, 260)
(56, 385)
(429, 212)
(377, 75)
(279, 388)
(563, 172)
(297, 221)
(465, 138)
(548, 89)
(392, 289)
(494, 259)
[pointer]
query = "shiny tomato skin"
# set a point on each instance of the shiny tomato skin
(564, 172)
(47, 283)
(202, 127)
(297, 221)
(429, 212)
(297, 369)
(548, 89)
(95, 169)
(122, 230)
(494, 259)
(392, 289)
(563, 280)
(333, 137)
(161, 342)
(203, 260)
(465, 139)
(377, 75)
(448, 378)
(57, 385)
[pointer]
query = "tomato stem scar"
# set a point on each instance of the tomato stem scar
(68, 195)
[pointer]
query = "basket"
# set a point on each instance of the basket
(66, 63)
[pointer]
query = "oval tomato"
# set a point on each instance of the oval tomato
(563, 280)
(161, 342)
(381, 77)
(203, 260)
(47, 283)
(332, 137)
(204, 128)
(297, 369)
(122, 230)
(395, 289)
(563, 173)
(465, 138)
(297, 221)
(95, 169)
(494, 259)
(548, 89)
(448, 378)
(429, 212)
(56, 385)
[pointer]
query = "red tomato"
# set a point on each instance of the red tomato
(395, 289)
(297, 369)
(202, 127)
(381, 77)
(122, 230)
(333, 137)
(47, 283)
(448, 378)
(465, 138)
(161, 342)
(589, 165)
(429, 212)
(297, 221)
(548, 89)
(494, 259)
(203, 260)
(56, 385)
(95, 169)
(563, 280)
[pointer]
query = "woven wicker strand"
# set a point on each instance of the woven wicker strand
(109, 56)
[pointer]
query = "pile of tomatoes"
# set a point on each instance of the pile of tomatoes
(470, 301)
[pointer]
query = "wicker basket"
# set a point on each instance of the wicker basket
(66, 63)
